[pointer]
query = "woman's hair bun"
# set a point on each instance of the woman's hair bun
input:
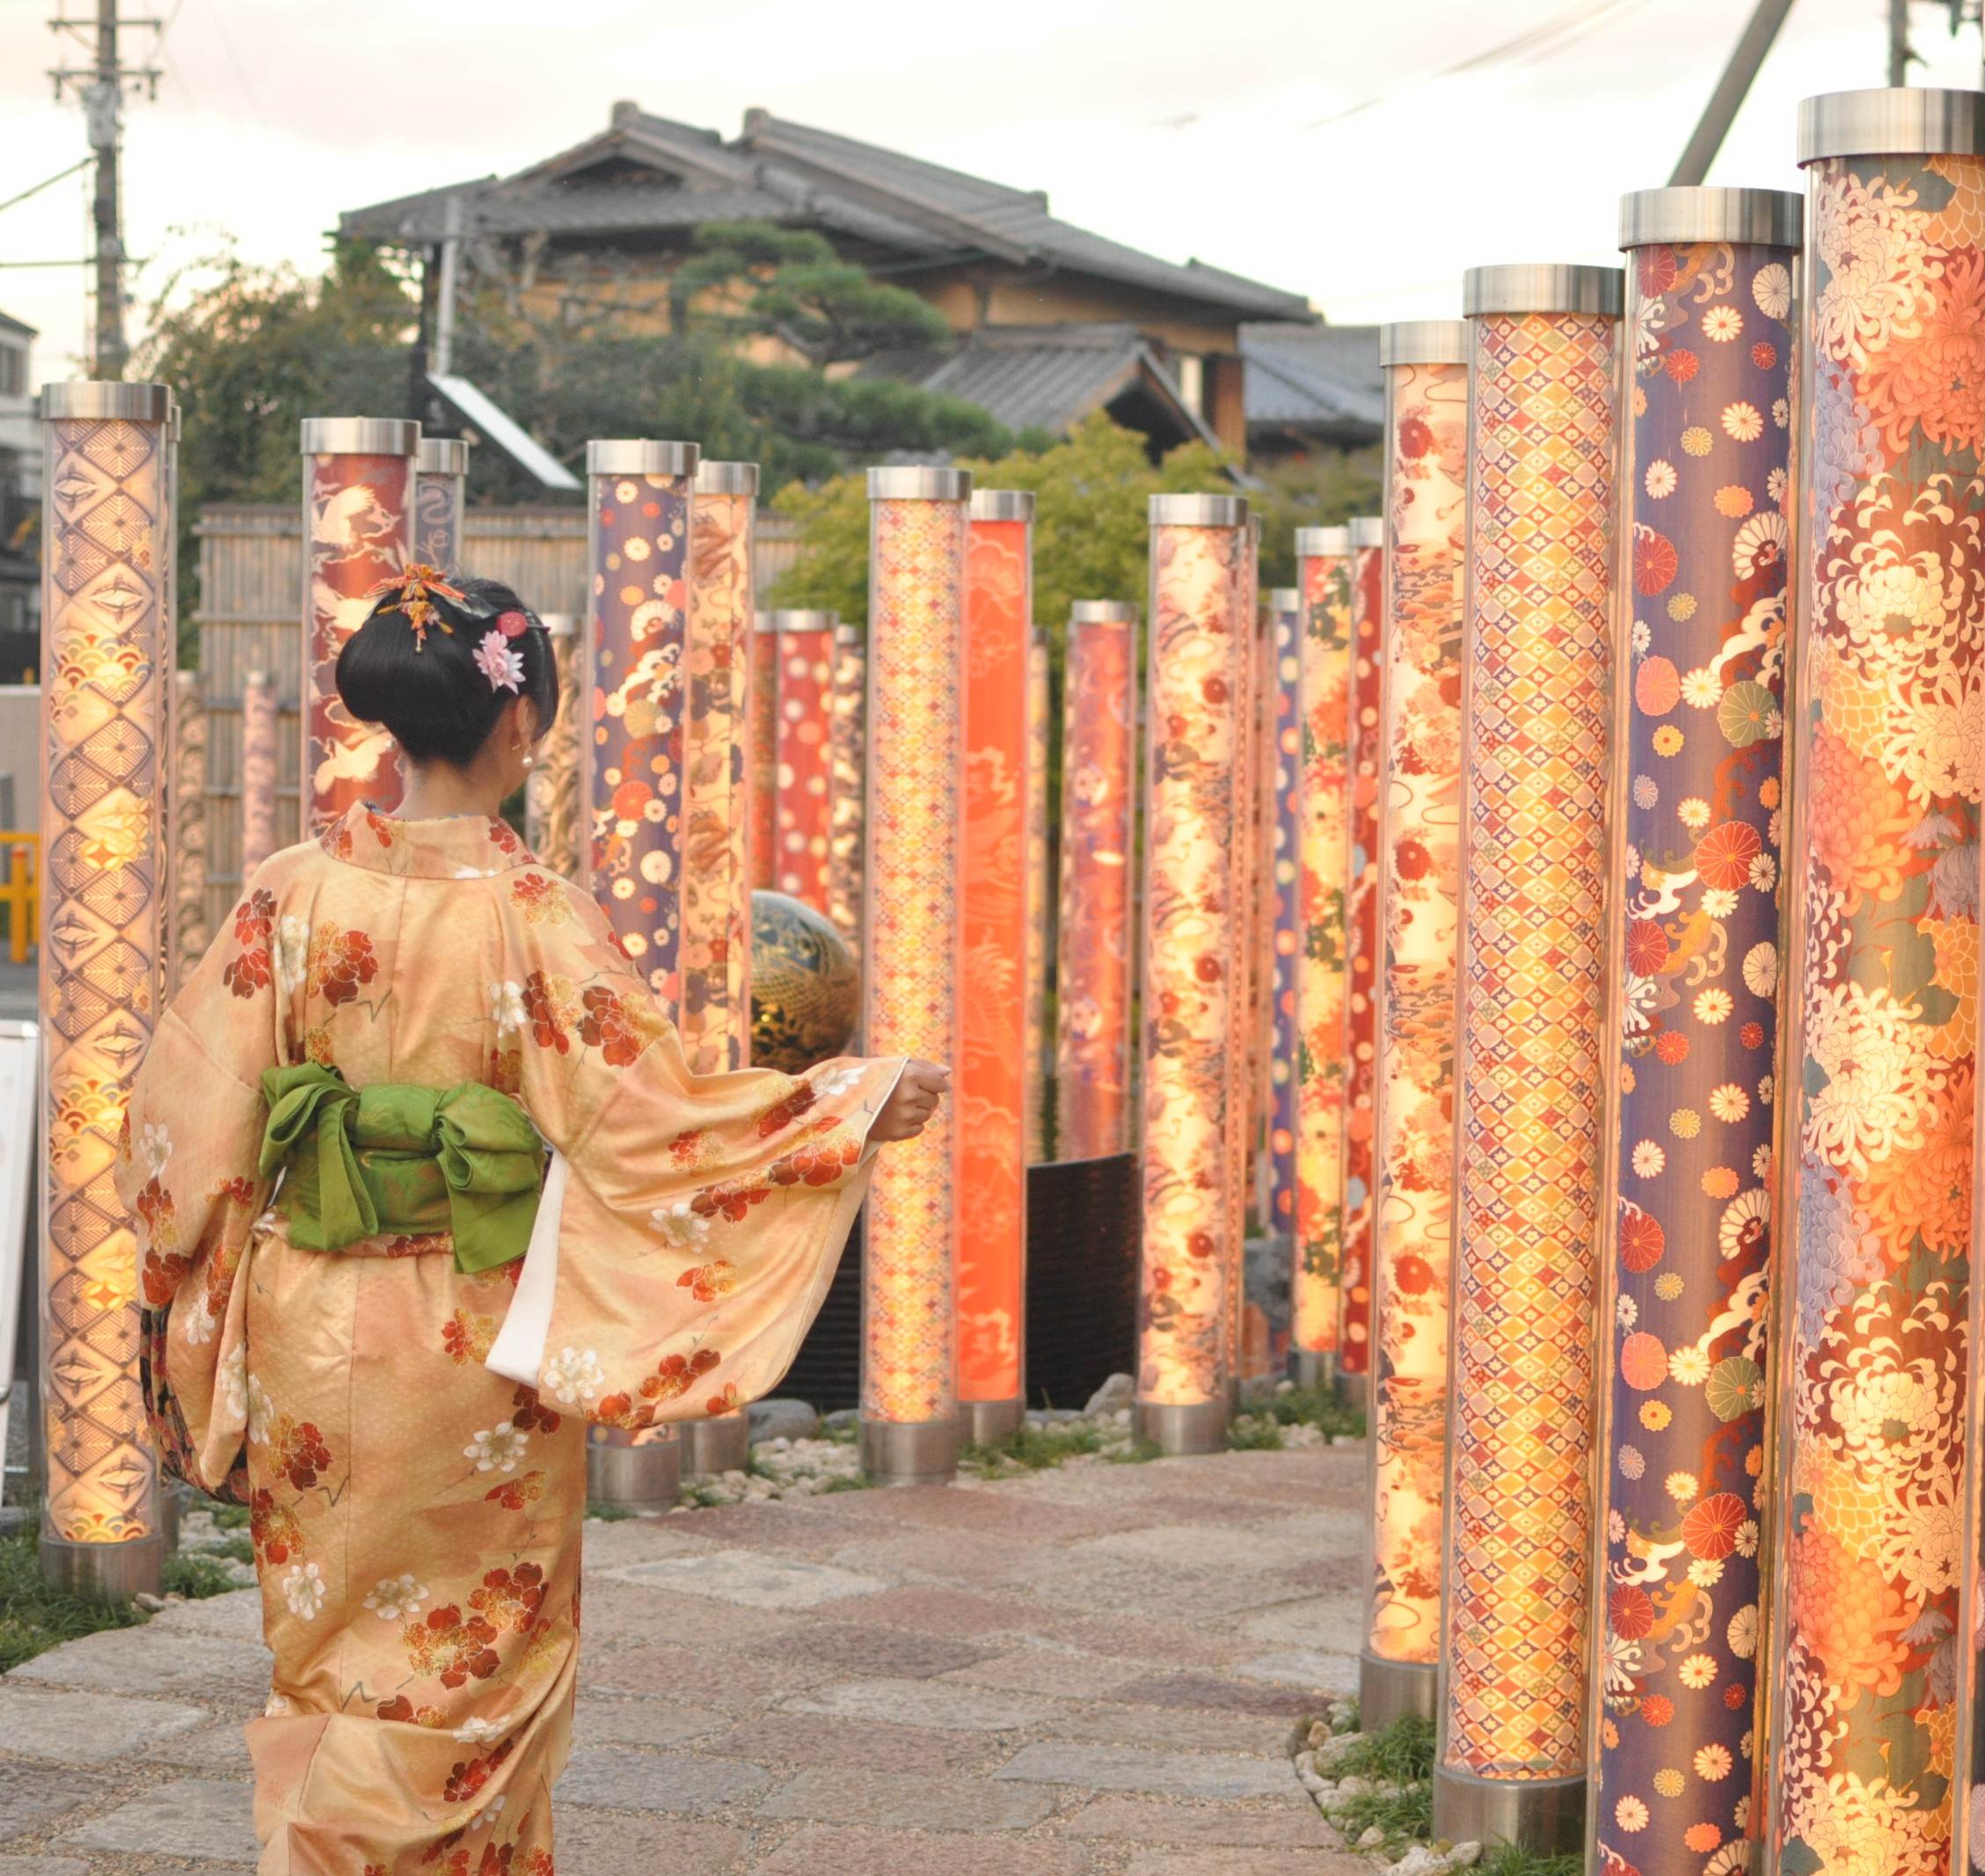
(427, 691)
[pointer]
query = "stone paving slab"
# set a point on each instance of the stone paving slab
(1088, 1672)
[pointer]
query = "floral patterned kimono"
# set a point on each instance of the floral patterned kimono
(409, 1437)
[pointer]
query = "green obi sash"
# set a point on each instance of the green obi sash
(391, 1158)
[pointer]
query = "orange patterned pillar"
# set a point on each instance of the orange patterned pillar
(358, 529)
(1529, 1054)
(1425, 366)
(762, 756)
(1282, 941)
(106, 673)
(913, 982)
(802, 760)
(1040, 898)
(847, 786)
(1098, 955)
(993, 1078)
(259, 754)
(1323, 559)
(1194, 1082)
(551, 788)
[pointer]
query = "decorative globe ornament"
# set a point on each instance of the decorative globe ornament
(806, 991)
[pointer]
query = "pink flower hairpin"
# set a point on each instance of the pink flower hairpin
(503, 667)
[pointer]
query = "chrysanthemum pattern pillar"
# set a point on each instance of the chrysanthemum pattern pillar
(106, 671)
(1097, 954)
(1692, 968)
(551, 788)
(1040, 898)
(1323, 556)
(1425, 366)
(1283, 767)
(912, 981)
(763, 755)
(802, 815)
(847, 785)
(189, 934)
(1361, 955)
(1529, 1055)
(358, 529)
(1246, 1046)
(715, 958)
(994, 1078)
(259, 759)
(1192, 1082)
(440, 494)
(1882, 1045)
(630, 794)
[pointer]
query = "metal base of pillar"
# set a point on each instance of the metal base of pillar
(1544, 1816)
(1309, 1369)
(1355, 1392)
(909, 1452)
(1391, 1690)
(718, 1445)
(992, 1422)
(630, 1477)
(105, 1572)
(1194, 1427)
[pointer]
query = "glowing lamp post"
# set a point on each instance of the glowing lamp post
(1323, 557)
(1040, 898)
(106, 673)
(847, 785)
(1425, 366)
(551, 788)
(1510, 1761)
(637, 546)
(802, 758)
(440, 483)
(763, 755)
(1281, 940)
(189, 935)
(911, 957)
(1193, 1078)
(1098, 953)
(359, 499)
(994, 1080)
(1880, 1051)
(259, 756)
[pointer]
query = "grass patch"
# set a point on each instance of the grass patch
(1317, 1407)
(608, 1513)
(1035, 1448)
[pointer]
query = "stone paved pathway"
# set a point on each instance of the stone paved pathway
(1088, 1672)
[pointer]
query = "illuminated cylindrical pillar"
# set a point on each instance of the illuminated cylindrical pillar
(713, 1007)
(1362, 957)
(1281, 723)
(1245, 1045)
(801, 815)
(440, 467)
(1323, 559)
(1425, 366)
(358, 529)
(637, 546)
(258, 753)
(1193, 1081)
(189, 932)
(847, 785)
(994, 1078)
(1039, 897)
(551, 788)
(913, 977)
(106, 672)
(1692, 973)
(1510, 1761)
(716, 943)
(1880, 1056)
(762, 755)
(1094, 975)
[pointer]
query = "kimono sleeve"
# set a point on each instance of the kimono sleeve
(187, 1173)
(690, 1224)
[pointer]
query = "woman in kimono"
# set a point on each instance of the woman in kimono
(372, 1312)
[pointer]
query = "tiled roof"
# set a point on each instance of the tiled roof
(1323, 380)
(669, 175)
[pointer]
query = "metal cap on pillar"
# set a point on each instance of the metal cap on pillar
(1322, 543)
(1423, 342)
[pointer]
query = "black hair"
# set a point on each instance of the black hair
(430, 693)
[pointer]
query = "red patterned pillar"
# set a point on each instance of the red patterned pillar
(1041, 899)
(803, 758)
(1281, 942)
(762, 755)
(259, 754)
(993, 1079)
(847, 785)
(358, 529)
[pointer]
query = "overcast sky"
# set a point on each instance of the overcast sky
(1183, 128)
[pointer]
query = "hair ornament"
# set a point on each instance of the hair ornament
(503, 667)
(512, 625)
(418, 586)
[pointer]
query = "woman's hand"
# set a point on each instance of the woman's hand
(918, 1090)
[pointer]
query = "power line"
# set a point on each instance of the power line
(60, 176)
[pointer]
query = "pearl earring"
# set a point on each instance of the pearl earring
(528, 760)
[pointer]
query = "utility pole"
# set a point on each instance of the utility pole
(100, 86)
(1899, 53)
